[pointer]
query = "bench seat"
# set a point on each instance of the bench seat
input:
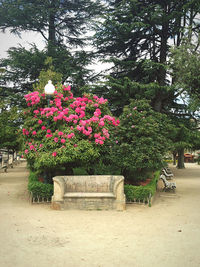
(89, 195)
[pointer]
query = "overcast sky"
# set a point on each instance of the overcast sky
(8, 40)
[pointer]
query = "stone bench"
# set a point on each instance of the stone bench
(96, 192)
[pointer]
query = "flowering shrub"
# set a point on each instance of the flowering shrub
(69, 132)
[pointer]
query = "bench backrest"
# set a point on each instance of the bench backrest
(166, 183)
(93, 183)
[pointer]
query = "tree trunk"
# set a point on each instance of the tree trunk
(51, 30)
(180, 164)
(174, 157)
(161, 74)
(164, 46)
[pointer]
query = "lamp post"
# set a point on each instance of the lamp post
(49, 90)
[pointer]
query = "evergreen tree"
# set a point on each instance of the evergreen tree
(58, 21)
(135, 36)
(63, 25)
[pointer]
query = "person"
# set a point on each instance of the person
(1, 157)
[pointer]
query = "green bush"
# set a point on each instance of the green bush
(39, 189)
(137, 193)
(141, 141)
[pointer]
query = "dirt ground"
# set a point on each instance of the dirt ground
(167, 234)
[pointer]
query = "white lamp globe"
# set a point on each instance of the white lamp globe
(49, 88)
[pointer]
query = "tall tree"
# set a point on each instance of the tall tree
(63, 25)
(58, 21)
(135, 36)
(22, 67)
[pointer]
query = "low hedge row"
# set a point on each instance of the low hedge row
(136, 193)
(39, 189)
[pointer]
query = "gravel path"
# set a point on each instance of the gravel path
(167, 234)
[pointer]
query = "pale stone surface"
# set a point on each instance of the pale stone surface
(95, 192)
(165, 235)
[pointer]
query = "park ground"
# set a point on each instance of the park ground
(167, 234)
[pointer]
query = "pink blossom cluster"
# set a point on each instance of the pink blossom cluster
(73, 114)
(32, 98)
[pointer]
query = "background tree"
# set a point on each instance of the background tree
(135, 37)
(63, 25)
(10, 122)
(58, 21)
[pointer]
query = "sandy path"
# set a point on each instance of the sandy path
(167, 234)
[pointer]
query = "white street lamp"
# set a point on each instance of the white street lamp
(49, 88)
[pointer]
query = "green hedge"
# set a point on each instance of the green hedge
(39, 189)
(141, 193)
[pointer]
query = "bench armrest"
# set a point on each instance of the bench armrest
(59, 188)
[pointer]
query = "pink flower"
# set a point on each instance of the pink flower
(31, 147)
(49, 135)
(116, 141)
(70, 135)
(41, 145)
(133, 126)
(83, 123)
(40, 121)
(97, 112)
(79, 128)
(105, 133)
(68, 88)
(34, 133)
(97, 135)
(43, 128)
(54, 154)
(75, 145)
(60, 133)
(98, 141)
(49, 131)
(55, 139)
(101, 124)
(62, 141)
(26, 151)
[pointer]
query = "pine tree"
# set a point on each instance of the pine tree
(135, 36)
(58, 21)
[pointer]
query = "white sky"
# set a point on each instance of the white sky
(8, 40)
